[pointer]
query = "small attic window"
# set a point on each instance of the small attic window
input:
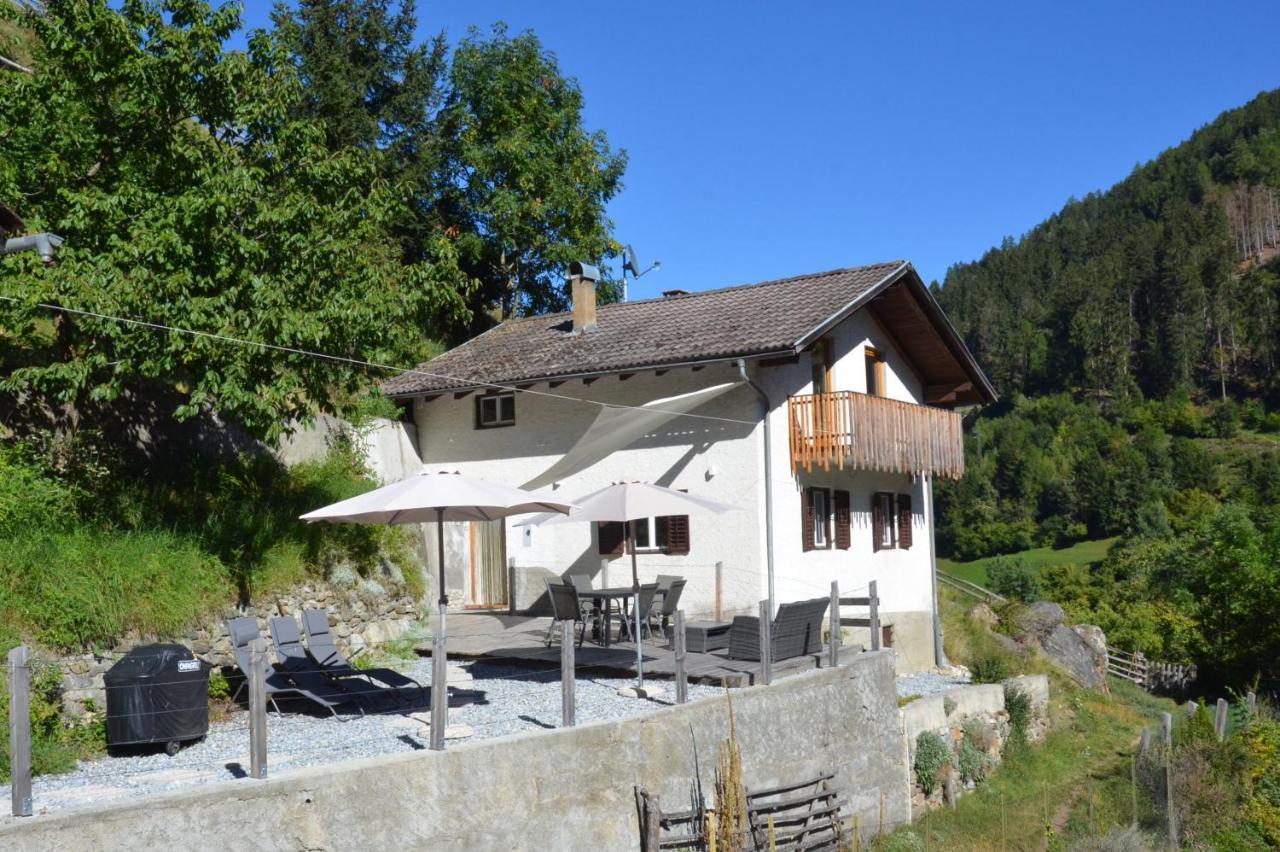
(495, 409)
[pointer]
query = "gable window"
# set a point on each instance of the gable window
(666, 534)
(890, 521)
(820, 362)
(495, 409)
(815, 507)
(875, 372)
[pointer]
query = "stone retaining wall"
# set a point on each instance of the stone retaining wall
(565, 789)
(360, 615)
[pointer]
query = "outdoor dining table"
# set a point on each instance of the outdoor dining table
(604, 596)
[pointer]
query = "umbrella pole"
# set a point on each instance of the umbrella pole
(439, 652)
(635, 605)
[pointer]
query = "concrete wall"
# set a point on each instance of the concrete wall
(562, 790)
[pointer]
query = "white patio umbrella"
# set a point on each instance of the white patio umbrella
(437, 497)
(633, 501)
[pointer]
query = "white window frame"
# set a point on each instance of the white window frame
(889, 514)
(496, 399)
(650, 527)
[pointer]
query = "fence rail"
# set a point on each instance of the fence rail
(973, 590)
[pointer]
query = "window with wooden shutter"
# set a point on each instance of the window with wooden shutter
(806, 519)
(673, 532)
(612, 537)
(883, 521)
(904, 521)
(841, 499)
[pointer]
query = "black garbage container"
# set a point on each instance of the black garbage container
(157, 694)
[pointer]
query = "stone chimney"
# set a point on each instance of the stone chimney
(582, 284)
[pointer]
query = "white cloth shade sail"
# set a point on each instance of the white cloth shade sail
(430, 497)
(633, 501)
(617, 428)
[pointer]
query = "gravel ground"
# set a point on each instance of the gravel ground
(498, 701)
(928, 683)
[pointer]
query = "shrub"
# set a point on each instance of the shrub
(1252, 414)
(988, 669)
(1012, 577)
(1018, 705)
(932, 756)
(1224, 419)
(971, 762)
(1272, 422)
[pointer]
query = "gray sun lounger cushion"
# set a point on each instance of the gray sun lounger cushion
(327, 656)
(301, 669)
(242, 632)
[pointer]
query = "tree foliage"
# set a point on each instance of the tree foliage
(486, 143)
(1141, 288)
(190, 195)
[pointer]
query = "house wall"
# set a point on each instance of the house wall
(904, 577)
(718, 459)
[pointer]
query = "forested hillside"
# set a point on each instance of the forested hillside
(1166, 282)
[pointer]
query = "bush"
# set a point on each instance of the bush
(989, 669)
(972, 763)
(1012, 577)
(55, 747)
(932, 756)
(1252, 414)
(1224, 419)
(1018, 705)
(1272, 422)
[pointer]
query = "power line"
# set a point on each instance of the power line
(225, 338)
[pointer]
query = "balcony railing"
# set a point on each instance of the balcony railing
(846, 429)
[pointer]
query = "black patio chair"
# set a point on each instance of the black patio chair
(665, 610)
(564, 607)
(243, 631)
(324, 651)
(586, 603)
(796, 630)
(648, 591)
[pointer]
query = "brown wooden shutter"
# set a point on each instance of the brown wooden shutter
(674, 530)
(842, 519)
(806, 519)
(877, 522)
(612, 538)
(904, 521)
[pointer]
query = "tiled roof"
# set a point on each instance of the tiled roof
(754, 319)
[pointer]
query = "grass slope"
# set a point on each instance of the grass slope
(1081, 553)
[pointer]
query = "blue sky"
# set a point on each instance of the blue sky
(772, 139)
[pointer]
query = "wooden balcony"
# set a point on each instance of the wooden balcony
(846, 429)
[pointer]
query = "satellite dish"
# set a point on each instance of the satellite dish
(631, 264)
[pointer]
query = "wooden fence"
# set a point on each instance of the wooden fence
(873, 433)
(1134, 667)
(973, 590)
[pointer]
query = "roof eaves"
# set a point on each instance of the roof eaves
(844, 312)
(954, 341)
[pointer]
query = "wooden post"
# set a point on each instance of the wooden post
(1191, 709)
(1252, 702)
(1089, 793)
(567, 677)
(766, 645)
(258, 708)
(20, 731)
(833, 625)
(1166, 724)
(677, 639)
(719, 591)
(439, 681)
(875, 615)
(1133, 787)
(1220, 719)
(511, 585)
(604, 573)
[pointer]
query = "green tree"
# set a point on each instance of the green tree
(190, 197)
(524, 184)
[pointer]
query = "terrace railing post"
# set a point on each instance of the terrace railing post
(20, 731)
(677, 642)
(833, 625)
(1220, 719)
(1252, 702)
(258, 708)
(439, 682)
(1171, 819)
(766, 645)
(511, 585)
(874, 605)
(719, 591)
(567, 703)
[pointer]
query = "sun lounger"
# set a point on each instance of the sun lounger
(299, 666)
(327, 656)
(243, 631)
(796, 630)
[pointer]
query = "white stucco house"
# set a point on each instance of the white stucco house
(849, 377)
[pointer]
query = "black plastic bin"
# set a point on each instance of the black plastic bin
(157, 694)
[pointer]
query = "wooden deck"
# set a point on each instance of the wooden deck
(519, 641)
